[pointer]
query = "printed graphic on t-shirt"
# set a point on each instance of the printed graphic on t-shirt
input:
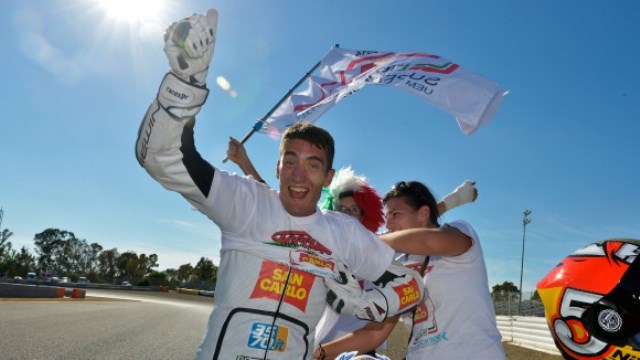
(407, 294)
(264, 334)
(422, 314)
(315, 264)
(272, 282)
(425, 327)
(299, 239)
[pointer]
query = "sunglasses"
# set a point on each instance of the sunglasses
(351, 210)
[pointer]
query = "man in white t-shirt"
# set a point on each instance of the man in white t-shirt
(278, 249)
(456, 319)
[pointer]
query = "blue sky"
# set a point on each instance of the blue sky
(78, 79)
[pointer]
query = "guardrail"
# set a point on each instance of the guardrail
(195, 292)
(527, 331)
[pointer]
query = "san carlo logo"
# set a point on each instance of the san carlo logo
(275, 279)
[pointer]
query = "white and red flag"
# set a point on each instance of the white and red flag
(472, 99)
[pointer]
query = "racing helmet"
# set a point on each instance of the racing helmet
(354, 355)
(592, 301)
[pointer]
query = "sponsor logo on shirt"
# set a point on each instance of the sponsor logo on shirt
(299, 239)
(422, 313)
(315, 264)
(420, 343)
(264, 334)
(272, 282)
(316, 261)
(408, 294)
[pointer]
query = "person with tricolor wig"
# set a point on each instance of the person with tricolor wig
(456, 319)
(351, 194)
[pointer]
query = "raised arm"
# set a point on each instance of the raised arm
(465, 193)
(445, 241)
(238, 154)
(165, 145)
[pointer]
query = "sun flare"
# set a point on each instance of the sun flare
(133, 11)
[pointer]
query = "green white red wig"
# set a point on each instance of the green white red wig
(366, 197)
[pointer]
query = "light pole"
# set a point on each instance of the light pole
(525, 221)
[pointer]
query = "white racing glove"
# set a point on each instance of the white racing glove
(399, 290)
(345, 295)
(463, 194)
(189, 46)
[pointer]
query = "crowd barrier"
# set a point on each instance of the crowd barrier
(527, 331)
(39, 291)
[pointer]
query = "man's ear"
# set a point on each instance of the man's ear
(278, 170)
(327, 180)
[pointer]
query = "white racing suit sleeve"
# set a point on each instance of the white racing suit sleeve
(397, 291)
(165, 145)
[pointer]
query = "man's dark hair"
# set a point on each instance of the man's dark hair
(417, 195)
(313, 134)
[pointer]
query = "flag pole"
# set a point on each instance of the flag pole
(258, 125)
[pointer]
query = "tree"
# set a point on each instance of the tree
(92, 253)
(172, 277)
(205, 271)
(146, 264)
(5, 252)
(504, 291)
(158, 278)
(128, 267)
(108, 264)
(5, 245)
(71, 256)
(24, 262)
(185, 272)
(50, 247)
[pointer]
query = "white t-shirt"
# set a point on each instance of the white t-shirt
(260, 241)
(457, 319)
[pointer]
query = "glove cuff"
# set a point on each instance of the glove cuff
(461, 195)
(179, 98)
(377, 308)
(452, 200)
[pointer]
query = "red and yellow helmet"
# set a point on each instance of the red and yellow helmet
(592, 301)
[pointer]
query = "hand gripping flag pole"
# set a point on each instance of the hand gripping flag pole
(260, 123)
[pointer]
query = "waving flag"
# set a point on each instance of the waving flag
(472, 99)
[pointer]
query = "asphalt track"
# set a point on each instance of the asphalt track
(109, 324)
(127, 324)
